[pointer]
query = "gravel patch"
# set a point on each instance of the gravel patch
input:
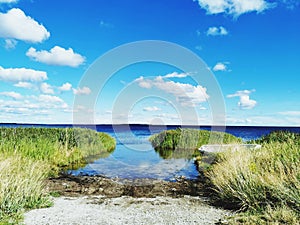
(87, 210)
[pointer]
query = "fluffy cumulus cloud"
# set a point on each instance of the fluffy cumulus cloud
(186, 94)
(26, 85)
(50, 99)
(151, 109)
(65, 87)
(12, 94)
(16, 25)
(245, 101)
(30, 106)
(220, 67)
(22, 75)
(144, 83)
(56, 56)
(46, 88)
(234, 7)
(216, 31)
(82, 91)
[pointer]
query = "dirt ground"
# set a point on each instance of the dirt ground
(74, 186)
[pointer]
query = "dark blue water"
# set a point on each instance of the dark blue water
(134, 157)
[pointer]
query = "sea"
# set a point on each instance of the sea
(134, 157)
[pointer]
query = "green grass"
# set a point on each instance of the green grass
(185, 142)
(21, 186)
(61, 147)
(264, 183)
(29, 155)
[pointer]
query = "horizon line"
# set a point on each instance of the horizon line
(145, 124)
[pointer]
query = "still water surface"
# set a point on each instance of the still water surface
(134, 157)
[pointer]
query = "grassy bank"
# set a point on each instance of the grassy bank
(263, 183)
(29, 155)
(184, 143)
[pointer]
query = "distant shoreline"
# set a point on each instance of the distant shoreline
(136, 124)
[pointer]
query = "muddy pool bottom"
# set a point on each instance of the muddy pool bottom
(74, 186)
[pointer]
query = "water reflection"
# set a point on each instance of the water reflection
(187, 154)
(90, 159)
(134, 157)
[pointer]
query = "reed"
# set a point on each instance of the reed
(261, 181)
(61, 147)
(190, 139)
(184, 143)
(21, 187)
(29, 155)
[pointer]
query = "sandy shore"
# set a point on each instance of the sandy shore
(86, 210)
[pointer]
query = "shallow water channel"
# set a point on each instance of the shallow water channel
(134, 157)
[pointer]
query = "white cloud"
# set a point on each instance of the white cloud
(82, 91)
(234, 7)
(216, 31)
(26, 85)
(144, 83)
(46, 88)
(12, 94)
(10, 43)
(176, 75)
(16, 25)
(290, 113)
(245, 101)
(56, 56)
(151, 109)
(186, 94)
(50, 99)
(31, 106)
(220, 67)
(22, 74)
(65, 87)
(8, 1)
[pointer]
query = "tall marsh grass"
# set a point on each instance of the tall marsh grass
(61, 147)
(29, 155)
(184, 143)
(190, 139)
(21, 186)
(267, 179)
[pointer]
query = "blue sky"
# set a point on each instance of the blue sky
(251, 47)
